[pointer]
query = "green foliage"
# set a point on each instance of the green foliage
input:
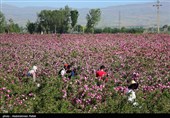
(2, 23)
(107, 30)
(49, 97)
(12, 27)
(92, 19)
(74, 17)
(74, 54)
(50, 21)
(31, 27)
(98, 30)
(116, 30)
(79, 28)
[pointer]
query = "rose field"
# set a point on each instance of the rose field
(142, 57)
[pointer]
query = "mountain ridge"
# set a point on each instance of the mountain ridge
(131, 15)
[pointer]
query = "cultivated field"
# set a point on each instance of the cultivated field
(143, 57)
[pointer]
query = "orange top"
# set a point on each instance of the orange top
(65, 65)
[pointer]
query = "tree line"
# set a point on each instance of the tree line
(9, 26)
(64, 20)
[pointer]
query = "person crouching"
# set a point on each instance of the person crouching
(63, 71)
(32, 73)
(101, 74)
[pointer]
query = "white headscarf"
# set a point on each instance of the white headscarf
(34, 68)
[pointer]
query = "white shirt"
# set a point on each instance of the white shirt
(63, 72)
(131, 95)
(31, 71)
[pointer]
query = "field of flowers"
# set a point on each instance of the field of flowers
(143, 57)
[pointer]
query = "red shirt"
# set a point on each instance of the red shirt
(100, 73)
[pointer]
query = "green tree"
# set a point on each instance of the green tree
(165, 28)
(168, 28)
(74, 17)
(13, 27)
(92, 19)
(58, 20)
(2, 23)
(44, 19)
(107, 30)
(98, 30)
(116, 30)
(31, 27)
(50, 21)
(66, 19)
(123, 30)
(79, 28)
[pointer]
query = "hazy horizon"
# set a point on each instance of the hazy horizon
(73, 3)
(133, 12)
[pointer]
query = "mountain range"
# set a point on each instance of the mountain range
(132, 15)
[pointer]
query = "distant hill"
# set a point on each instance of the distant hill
(130, 15)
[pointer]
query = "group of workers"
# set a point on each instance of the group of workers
(67, 70)
(100, 74)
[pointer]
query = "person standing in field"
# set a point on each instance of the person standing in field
(131, 92)
(32, 73)
(101, 74)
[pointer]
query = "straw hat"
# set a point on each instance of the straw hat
(133, 82)
(133, 85)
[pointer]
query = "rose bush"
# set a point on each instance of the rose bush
(143, 57)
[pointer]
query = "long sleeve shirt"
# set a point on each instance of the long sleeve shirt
(32, 72)
(131, 95)
(63, 72)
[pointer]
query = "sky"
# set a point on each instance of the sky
(73, 3)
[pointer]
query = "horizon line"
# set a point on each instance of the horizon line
(72, 1)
